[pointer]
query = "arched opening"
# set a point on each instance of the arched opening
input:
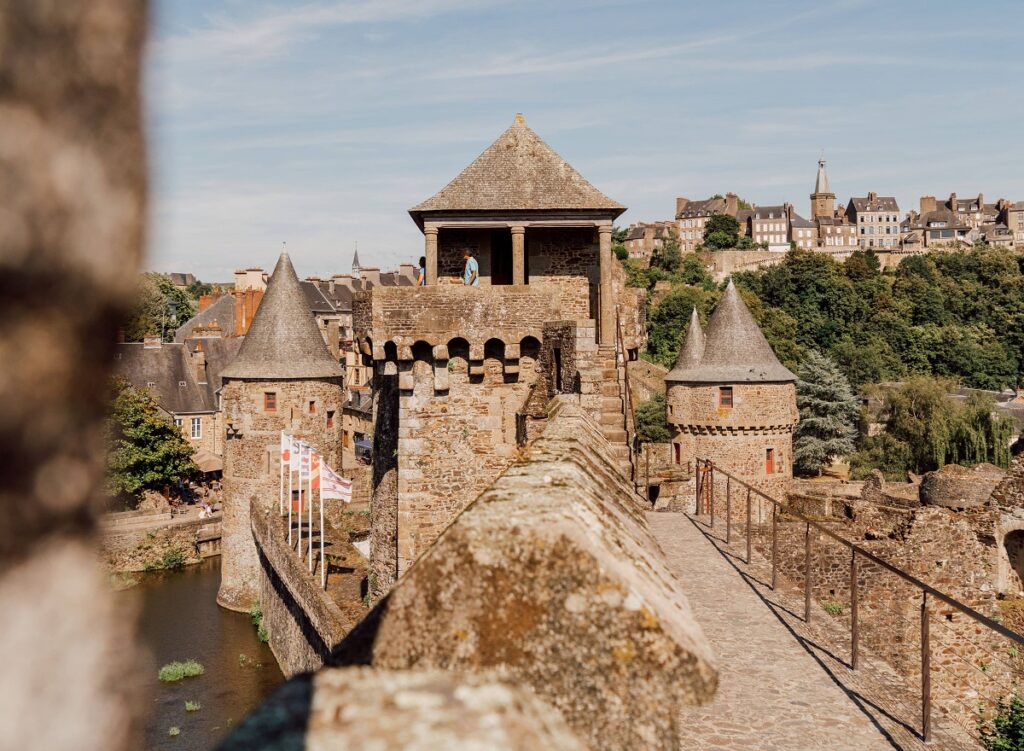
(458, 356)
(494, 360)
(529, 353)
(423, 358)
(1013, 543)
(390, 351)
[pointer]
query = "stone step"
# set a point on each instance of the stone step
(611, 403)
(614, 435)
(612, 419)
(609, 388)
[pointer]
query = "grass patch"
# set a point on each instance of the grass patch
(172, 559)
(175, 671)
(832, 608)
(174, 731)
(192, 706)
(256, 616)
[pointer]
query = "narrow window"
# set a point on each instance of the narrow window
(269, 401)
(197, 427)
(557, 352)
(330, 418)
(312, 408)
(769, 461)
(178, 422)
(679, 452)
(725, 397)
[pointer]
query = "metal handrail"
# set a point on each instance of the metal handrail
(705, 484)
(630, 426)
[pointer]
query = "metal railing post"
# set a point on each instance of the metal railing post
(926, 678)
(696, 497)
(728, 516)
(807, 574)
(711, 483)
(854, 625)
(775, 544)
(748, 526)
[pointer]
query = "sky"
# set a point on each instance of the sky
(318, 124)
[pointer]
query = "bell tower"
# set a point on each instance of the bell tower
(823, 200)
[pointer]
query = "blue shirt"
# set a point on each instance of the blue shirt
(471, 267)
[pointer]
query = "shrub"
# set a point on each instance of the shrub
(175, 671)
(256, 616)
(174, 731)
(172, 559)
(192, 706)
(1004, 731)
(832, 608)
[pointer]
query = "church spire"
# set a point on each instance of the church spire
(355, 262)
(821, 184)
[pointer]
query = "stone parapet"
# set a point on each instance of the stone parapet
(552, 578)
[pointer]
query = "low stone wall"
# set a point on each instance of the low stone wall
(142, 547)
(303, 622)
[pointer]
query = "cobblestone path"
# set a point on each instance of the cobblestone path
(779, 688)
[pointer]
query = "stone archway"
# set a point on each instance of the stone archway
(1013, 550)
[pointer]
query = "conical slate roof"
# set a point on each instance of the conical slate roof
(821, 184)
(691, 351)
(735, 350)
(355, 260)
(283, 340)
(515, 173)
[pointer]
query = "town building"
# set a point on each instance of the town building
(877, 219)
(692, 216)
(803, 233)
(643, 238)
(730, 400)
(1015, 222)
(836, 235)
(769, 225)
(284, 378)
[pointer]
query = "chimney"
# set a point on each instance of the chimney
(788, 208)
(314, 280)
(206, 301)
(872, 197)
(370, 274)
(952, 202)
(732, 204)
(681, 204)
(151, 341)
(928, 204)
(199, 361)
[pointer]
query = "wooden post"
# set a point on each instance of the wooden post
(807, 574)
(854, 625)
(926, 677)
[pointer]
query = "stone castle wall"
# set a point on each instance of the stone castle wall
(252, 463)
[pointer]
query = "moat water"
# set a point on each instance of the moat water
(181, 620)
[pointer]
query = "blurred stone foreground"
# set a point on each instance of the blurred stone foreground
(612, 652)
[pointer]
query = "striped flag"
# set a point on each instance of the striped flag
(286, 450)
(314, 469)
(333, 486)
(305, 450)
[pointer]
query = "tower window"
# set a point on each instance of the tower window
(769, 461)
(269, 401)
(725, 397)
(330, 418)
(679, 452)
(312, 407)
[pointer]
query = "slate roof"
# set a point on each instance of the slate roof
(702, 208)
(515, 173)
(800, 223)
(219, 352)
(283, 339)
(691, 351)
(735, 350)
(881, 203)
(221, 310)
(318, 302)
(821, 182)
(170, 372)
(769, 212)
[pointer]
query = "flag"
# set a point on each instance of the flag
(305, 451)
(333, 486)
(314, 469)
(286, 450)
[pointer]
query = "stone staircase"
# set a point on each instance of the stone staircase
(612, 390)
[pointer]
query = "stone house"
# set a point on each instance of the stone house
(730, 400)
(692, 216)
(1015, 222)
(643, 238)
(835, 234)
(770, 225)
(284, 378)
(802, 232)
(877, 219)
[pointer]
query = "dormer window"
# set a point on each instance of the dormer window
(725, 397)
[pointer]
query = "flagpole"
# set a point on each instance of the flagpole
(291, 450)
(302, 456)
(323, 564)
(280, 495)
(309, 503)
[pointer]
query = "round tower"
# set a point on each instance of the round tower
(729, 399)
(283, 379)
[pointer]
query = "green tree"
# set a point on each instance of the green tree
(651, 422)
(160, 308)
(667, 320)
(828, 412)
(145, 449)
(1004, 730)
(619, 235)
(721, 231)
(693, 271)
(197, 289)
(668, 255)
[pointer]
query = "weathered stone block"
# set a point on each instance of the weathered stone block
(551, 576)
(360, 710)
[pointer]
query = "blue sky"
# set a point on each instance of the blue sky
(320, 123)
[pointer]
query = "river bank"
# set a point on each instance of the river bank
(180, 620)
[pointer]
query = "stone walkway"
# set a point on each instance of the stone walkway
(779, 689)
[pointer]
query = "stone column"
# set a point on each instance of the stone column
(606, 324)
(430, 236)
(519, 255)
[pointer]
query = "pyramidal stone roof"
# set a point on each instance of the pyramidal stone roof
(691, 351)
(515, 173)
(283, 340)
(735, 350)
(821, 183)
